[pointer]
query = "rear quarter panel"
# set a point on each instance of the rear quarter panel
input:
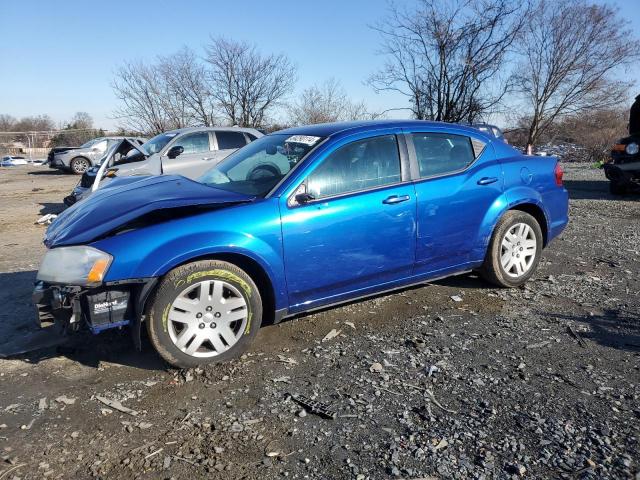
(531, 180)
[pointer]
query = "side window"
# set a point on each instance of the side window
(357, 166)
(194, 142)
(100, 146)
(251, 137)
(230, 140)
(442, 153)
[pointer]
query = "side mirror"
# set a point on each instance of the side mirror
(303, 198)
(175, 151)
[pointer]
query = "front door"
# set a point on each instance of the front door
(357, 230)
(197, 157)
(460, 181)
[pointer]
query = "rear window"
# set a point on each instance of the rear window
(230, 140)
(442, 153)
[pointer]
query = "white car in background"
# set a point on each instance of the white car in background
(187, 151)
(13, 161)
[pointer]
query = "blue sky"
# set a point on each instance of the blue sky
(59, 57)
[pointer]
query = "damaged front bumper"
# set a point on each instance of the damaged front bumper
(112, 305)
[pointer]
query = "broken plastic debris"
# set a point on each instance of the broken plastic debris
(376, 367)
(315, 407)
(66, 400)
(289, 360)
(46, 219)
(332, 334)
(116, 405)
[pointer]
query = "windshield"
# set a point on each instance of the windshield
(158, 142)
(257, 168)
(91, 142)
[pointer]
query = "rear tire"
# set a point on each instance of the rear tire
(514, 250)
(79, 165)
(204, 312)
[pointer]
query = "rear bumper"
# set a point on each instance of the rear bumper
(556, 202)
(622, 174)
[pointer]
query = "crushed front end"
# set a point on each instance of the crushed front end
(71, 293)
(74, 308)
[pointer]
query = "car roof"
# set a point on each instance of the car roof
(330, 129)
(213, 129)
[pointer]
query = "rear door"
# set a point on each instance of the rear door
(198, 155)
(460, 181)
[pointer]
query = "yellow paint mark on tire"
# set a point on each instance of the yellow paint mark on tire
(224, 274)
(165, 318)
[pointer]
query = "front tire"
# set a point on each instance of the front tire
(204, 312)
(79, 165)
(514, 250)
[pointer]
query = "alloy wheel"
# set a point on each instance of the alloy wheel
(207, 318)
(518, 250)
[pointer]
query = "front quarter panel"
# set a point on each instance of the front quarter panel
(252, 230)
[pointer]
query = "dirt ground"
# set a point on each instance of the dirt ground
(538, 382)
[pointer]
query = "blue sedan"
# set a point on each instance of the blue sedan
(297, 220)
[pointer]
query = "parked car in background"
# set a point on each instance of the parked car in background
(79, 159)
(623, 167)
(13, 161)
(187, 151)
(297, 220)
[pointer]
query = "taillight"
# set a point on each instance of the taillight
(558, 173)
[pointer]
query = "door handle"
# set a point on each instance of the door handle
(393, 199)
(209, 159)
(487, 180)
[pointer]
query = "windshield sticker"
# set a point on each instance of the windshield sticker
(305, 139)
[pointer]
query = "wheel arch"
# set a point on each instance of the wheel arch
(250, 265)
(537, 212)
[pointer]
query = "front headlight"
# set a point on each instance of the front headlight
(79, 265)
(632, 148)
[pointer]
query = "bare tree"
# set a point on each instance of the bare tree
(327, 102)
(81, 121)
(448, 56)
(148, 104)
(7, 123)
(572, 50)
(246, 84)
(186, 77)
(34, 123)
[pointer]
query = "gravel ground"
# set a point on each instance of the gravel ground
(538, 382)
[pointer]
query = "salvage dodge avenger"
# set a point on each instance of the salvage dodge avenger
(296, 220)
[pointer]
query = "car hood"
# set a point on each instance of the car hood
(128, 199)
